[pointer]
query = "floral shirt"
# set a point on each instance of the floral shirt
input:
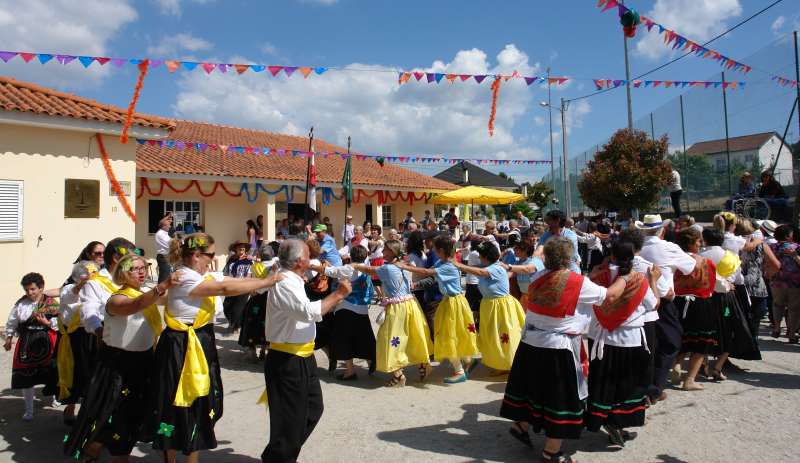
(752, 263)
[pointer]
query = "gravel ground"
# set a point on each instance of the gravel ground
(751, 417)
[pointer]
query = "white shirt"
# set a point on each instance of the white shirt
(311, 274)
(591, 240)
(348, 232)
(676, 182)
(345, 251)
(20, 313)
(630, 333)
(129, 332)
(378, 252)
(668, 256)
(346, 272)
(418, 262)
(290, 314)
(69, 303)
(663, 284)
(183, 307)
(162, 242)
(93, 299)
(735, 244)
(473, 260)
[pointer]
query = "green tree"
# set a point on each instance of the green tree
(700, 175)
(540, 194)
(628, 173)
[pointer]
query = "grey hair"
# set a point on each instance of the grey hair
(558, 252)
(290, 253)
(359, 228)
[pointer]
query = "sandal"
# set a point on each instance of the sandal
(424, 370)
(521, 435)
(614, 435)
(397, 381)
(692, 387)
(557, 457)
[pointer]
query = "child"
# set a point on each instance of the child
(352, 331)
(34, 319)
(403, 337)
(454, 327)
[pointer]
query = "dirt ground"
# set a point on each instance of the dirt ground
(753, 416)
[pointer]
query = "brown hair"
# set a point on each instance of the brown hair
(396, 247)
(314, 249)
(124, 266)
(744, 227)
(182, 249)
(687, 237)
(558, 253)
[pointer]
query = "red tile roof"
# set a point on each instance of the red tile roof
(214, 162)
(26, 97)
(744, 143)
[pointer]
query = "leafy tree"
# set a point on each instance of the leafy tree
(628, 173)
(540, 193)
(526, 209)
(700, 175)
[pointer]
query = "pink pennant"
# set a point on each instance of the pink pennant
(209, 67)
(609, 4)
(27, 57)
(172, 66)
(274, 70)
(419, 75)
(463, 77)
(102, 60)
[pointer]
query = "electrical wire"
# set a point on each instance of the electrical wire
(662, 66)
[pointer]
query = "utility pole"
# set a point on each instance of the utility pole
(685, 156)
(565, 164)
(627, 79)
(550, 114)
(796, 213)
(727, 141)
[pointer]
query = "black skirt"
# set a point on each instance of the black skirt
(114, 409)
(187, 429)
(615, 394)
(34, 358)
(700, 324)
(255, 312)
(233, 307)
(352, 336)
(84, 358)
(735, 337)
(542, 390)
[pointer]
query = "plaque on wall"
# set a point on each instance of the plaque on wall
(81, 199)
(123, 185)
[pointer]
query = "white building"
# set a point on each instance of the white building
(744, 150)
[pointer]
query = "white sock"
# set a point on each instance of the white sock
(27, 394)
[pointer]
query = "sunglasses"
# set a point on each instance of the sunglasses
(97, 254)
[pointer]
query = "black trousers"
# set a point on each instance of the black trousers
(675, 196)
(295, 404)
(669, 334)
(164, 269)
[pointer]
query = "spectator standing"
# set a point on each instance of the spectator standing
(162, 239)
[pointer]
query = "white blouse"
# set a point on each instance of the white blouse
(93, 297)
(129, 332)
(69, 303)
(20, 313)
(180, 304)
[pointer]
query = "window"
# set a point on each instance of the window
(721, 165)
(387, 217)
(11, 210)
(184, 213)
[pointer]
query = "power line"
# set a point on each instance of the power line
(657, 68)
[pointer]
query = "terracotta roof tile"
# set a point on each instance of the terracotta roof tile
(215, 162)
(26, 97)
(743, 143)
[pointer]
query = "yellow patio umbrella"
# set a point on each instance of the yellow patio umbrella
(478, 195)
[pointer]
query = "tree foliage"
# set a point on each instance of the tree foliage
(628, 173)
(540, 193)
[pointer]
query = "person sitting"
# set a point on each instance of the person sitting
(746, 189)
(772, 192)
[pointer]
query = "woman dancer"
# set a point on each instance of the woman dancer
(619, 355)
(113, 411)
(252, 332)
(185, 399)
(756, 260)
(559, 309)
(785, 284)
(527, 265)
(501, 315)
(403, 337)
(454, 327)
(34, 320)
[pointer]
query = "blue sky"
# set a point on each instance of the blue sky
(573, 37)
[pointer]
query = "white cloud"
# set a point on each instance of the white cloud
(174, 7)
(777, 25)
(170, 46)
(269, 49)
(61, 26)
(380, 115)
(698, 20)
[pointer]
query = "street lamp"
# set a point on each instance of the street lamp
(563, 110)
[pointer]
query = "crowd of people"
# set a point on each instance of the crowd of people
(607, 316)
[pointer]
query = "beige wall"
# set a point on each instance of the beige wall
(42, 159)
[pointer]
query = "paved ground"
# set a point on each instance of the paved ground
(751, 417)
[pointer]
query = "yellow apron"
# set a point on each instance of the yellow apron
(195, 379)
(300, 350)
(65, 361)
(151, 314)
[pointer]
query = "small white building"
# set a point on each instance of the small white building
(744, 150)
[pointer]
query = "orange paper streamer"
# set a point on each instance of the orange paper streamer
(495, 94)
(143, 67)
(113, 179)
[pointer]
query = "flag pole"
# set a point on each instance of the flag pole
(307, 210)
(346, 202)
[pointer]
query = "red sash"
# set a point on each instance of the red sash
(555, 294)
(611, 316)
(700, 282)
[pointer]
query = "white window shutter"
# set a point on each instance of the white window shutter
(11, 207)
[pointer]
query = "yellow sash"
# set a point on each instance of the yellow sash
(259, 270)
(104, 283)
(195, 379)
(300, 350)
(65, 362)
(151, 314)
